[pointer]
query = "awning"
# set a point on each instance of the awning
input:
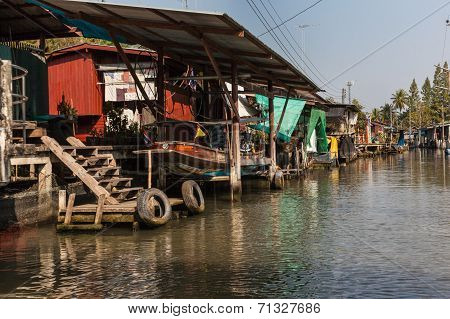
(294, 109)
(317, 122)
(183, 34)
(20, 20)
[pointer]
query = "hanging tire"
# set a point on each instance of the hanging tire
(278, 180)
(193, 197)
(153, 207)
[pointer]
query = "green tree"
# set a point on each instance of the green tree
(399, 100)
(375, 115)
(413, 102)
(385, 113)
(436, 96)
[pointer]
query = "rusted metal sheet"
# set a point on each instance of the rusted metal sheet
(75, 77)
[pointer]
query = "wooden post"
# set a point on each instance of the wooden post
(149, 178)
(236, 141)
(161, 92)
(62, 200)
(272, 137)
(283, 112)
(99, 212)
(130, 68)
(6, 116)
(69, 209)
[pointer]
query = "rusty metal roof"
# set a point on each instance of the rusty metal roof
(181, 33)
(20, 20)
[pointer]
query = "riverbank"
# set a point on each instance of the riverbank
(377, 228)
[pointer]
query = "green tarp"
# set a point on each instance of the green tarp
(294, 109)
(317, 121)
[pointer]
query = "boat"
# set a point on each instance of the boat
(199, 150)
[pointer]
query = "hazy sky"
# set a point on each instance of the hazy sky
(344, 31)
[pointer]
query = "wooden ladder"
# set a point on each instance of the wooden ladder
(97, 171)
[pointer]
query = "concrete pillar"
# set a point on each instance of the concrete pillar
(5, 120)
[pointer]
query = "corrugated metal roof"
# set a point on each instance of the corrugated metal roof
(16, 22)
(182, 33)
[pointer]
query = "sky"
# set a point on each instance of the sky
(341, 32)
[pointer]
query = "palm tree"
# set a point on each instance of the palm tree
(375, 116)
(399, 99)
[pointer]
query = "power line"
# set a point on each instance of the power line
(275, 37)
(293, 17)
(389, 42)
(323, 79)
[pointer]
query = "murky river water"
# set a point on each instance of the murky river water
(379, 228)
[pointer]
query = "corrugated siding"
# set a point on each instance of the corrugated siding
(75, 76)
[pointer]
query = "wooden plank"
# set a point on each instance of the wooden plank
(93, 227)
(99, 212)
(62, 195)
(68, 217)
(221, 80)
(149, 177)
(37, 132)
(29, 160)
(72, 140)
(107, 218)
(77, 169)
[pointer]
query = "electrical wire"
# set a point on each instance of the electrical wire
(291, 18)
(274, 36)
(298, 45)
(323, 80)
(389, 42)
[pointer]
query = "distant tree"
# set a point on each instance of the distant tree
(375, 115)
(399, 100)
(413, 102)
(436, 96)
(385, 115)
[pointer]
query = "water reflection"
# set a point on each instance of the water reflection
(377, 228)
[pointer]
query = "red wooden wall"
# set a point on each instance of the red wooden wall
(74, 75)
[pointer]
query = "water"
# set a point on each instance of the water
(378, 228)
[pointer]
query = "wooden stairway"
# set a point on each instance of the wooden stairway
(97, 171)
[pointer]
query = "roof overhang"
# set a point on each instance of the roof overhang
(20, 20)
(183, 35)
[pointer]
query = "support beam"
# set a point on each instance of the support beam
(272, 136)
(236, 137)
(221, 80)
(127, 62)
(283, 112)
(160, 88)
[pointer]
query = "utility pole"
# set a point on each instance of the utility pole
(349, 85)
(344, 94)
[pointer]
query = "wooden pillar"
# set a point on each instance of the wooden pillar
(161, 92)
(236, 137)
(272, 137)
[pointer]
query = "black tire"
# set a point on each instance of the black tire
(154, 215)
(193, 197)
(278, 180)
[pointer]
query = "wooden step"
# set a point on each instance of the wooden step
(114, 183)
(77, 151)
(126, 193)
(78, 170)
(104, 171)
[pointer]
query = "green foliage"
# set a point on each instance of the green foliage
(117, 124)
(66, 109)
(424, 107)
